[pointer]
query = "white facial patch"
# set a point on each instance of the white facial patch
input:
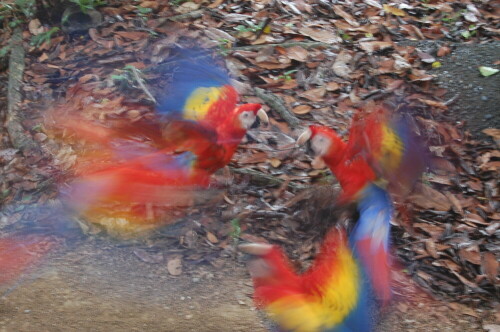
(320, 144)
(247, 119)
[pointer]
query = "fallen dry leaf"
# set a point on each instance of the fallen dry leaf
(341, 65)
(470, 284)
(433, 103)
(35, 27)
(332, 86)
(430, 247)
(373, 46)
(433, 230)
(491, 328)
(133, 35)
(489, 265)
(493, 132)
(302, 109)
(174, 266)
(150, 4)
(187, 7)
(475, 218)
(457, 207)
(275, 162)
(443, 50)
(394, 11)
(430, 198)
(212, 238)
(314, 94)
(346, 16)
(297, 53)
(471, 256)
(321, 34)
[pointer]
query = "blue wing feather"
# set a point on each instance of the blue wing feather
(193, 69)
(375, 213)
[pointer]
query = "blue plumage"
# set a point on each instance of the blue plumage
(191, 69)
(375, 213)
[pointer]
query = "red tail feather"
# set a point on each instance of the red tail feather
(20, 253)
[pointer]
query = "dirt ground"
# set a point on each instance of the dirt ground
(101, 286)
(477, 97)
(474, 98)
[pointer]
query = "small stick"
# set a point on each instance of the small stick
(278, 105)
(139, 80)
(265, 179)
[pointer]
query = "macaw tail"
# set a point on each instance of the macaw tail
(20, 253)
(201, 90)
(321, 299)
(154, 178)
(371, 238)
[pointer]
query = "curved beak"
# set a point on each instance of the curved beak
(304, 137)
(256, 249)
(262, 115)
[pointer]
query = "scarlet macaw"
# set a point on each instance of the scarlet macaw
(197, 128)
(334, 294)
(381, 148)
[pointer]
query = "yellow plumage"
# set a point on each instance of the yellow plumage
(199, 102)
(333, 302)
(391, 150)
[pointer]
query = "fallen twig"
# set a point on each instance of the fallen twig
(139, 81)
(262, 179)
(277, 104)
(306, 45)
(193, 14)
(18, 136)
(452, 100)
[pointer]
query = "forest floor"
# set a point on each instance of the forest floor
(188, 277)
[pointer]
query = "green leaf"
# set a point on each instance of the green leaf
(37, 128)
(235, 223)
(466, 34)
(241, 28)
(487, 71)
(118, 77)
(129, 67)
(436, 64)
(43, 37)
(4, 51)
(143, 10)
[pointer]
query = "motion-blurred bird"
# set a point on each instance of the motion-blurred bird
(335, 293)
(165, 160)
(381, 149)
(380, 139)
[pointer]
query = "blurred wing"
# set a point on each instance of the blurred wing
(371, 238)
(200, 90)
(19, 253)
(318, 300)
(281, 293)
(388, 144)
(154, 178)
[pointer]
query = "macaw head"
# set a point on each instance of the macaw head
(246, 115)
(323, 141)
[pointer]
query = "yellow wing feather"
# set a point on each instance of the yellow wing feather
(329, 307)
(199, 102)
